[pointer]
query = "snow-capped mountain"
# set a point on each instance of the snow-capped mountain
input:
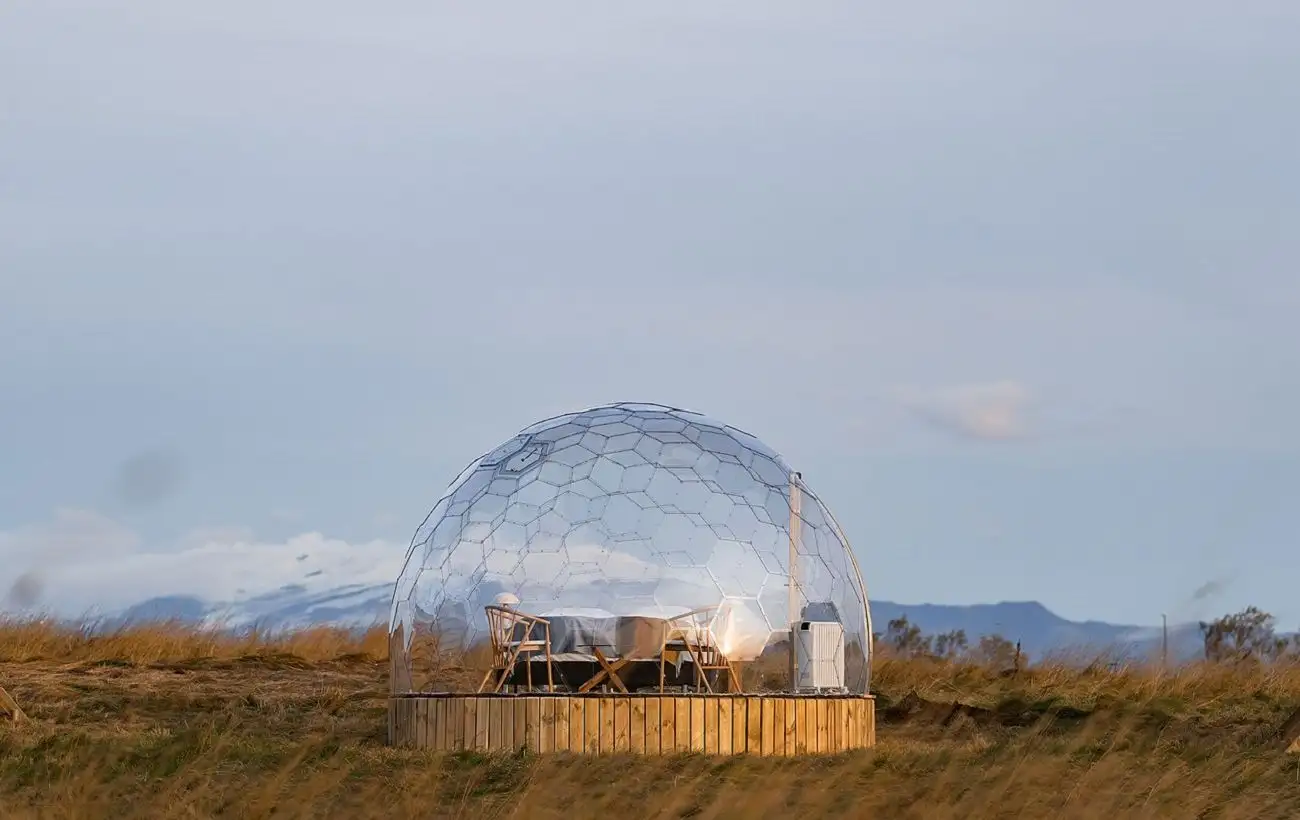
(233, 580)
(364, 605)
(290, 607)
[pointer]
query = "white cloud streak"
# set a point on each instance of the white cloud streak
(994, 411)
(82, 562)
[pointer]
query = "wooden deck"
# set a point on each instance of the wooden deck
(772, 724)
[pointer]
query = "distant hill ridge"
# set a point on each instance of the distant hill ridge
(1038, 629)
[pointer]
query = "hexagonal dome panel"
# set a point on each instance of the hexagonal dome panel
(631, 511)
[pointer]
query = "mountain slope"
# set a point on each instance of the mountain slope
(1038, 629)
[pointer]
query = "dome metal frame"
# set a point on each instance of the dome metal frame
(627, 512)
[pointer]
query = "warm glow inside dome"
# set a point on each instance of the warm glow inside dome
(631, 510)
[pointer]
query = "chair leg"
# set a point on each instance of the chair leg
(550, 677)
(697, 659)
(509, 668)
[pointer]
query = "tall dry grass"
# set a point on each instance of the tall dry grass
(167, 721)
(52, 641)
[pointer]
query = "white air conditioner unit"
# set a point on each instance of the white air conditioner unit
(819, 653)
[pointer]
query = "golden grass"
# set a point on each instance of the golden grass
(167, 721)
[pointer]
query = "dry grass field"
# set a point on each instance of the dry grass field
(170, 722)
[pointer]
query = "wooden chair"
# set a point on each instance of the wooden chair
(692, 632)
(515, 634)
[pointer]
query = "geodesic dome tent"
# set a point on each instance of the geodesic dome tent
(598, 522)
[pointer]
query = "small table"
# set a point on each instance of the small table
(607, 670)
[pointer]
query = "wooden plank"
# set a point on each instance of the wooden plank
(481, 717)
(400, 720)
(577, 729)
(521, 723)
(711, 725)
(842, 727)
(768, 740)
(697, 722)
(810, 736)
(682, 724)
(622, 725)
(455, 724)
(739, 724)
(791, 715)
(562, 711)
(505, 739)
(855, 731)
(495, 733)
(591, 727)
(524, 734)
(432, 738)
(457, 713)
(823, 725)
(408, 722)
(534, 717)
(400, 736)
(778, 726)
(724, 725)
(487, 713)
(754, 727)
(636, 726)
(442, 710)
(607, 725)
(545, 725)
(854, 711)
(801, 723)
(471, 723)
(667, 726)
(653, 730)
(870, 710)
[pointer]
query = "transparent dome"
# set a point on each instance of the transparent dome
(629, 510)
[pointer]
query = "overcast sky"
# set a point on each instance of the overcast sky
(1014, 284)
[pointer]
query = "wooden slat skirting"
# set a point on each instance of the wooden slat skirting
(772, 725)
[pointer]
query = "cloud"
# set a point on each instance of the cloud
(229, 569)
(73, 535)
(994, 411)
(83, 562)
(25, 592)
(31, 554)
(1209, 589)
(148, 478)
